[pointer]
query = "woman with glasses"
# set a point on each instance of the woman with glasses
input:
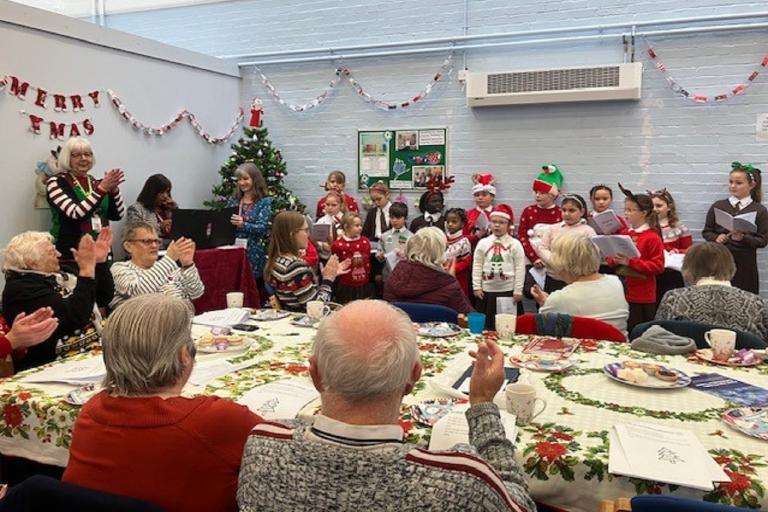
(174, 274)
(79, 202)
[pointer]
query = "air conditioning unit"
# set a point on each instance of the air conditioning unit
(599, 83)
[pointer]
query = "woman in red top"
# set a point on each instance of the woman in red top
(640, 272)
(676, 237)
(141, 438)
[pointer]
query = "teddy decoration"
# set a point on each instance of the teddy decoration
(45, 170)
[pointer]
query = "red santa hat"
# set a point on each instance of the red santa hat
(503, 210)
(483, 183)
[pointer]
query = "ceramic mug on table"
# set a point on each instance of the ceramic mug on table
(723, 343)
(235, 299)
(521, 401)
(317, 309)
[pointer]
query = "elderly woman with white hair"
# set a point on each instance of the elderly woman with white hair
(139, 437)
(33, 279)
(79, 202)
(576, 261)
(423, 277)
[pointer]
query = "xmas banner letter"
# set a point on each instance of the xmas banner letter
(88, 127)
(42, 94)
(19, 89)
(57, 130)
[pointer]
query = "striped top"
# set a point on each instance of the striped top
(331, 465)
(163, 277)
(295, 283)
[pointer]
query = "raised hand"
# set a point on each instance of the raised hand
(236, 220)
(103, 245)
(112, 180)
(29, 330)
(487, 372)
(85, 256)
(187, 256)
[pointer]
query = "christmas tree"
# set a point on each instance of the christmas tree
(256, 147)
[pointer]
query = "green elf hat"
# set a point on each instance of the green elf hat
(549, 181)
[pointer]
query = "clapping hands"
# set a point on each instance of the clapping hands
(182, 250)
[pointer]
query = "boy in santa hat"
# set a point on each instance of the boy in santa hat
(484, 193)
(498, 268)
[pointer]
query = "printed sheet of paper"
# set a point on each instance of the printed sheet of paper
(539, 276)
(673, 260)
(78, 373)
(276, 400)
(761, 128)
(453, 429)
(611, 245)
(431, 137)
(223, 317)
(744, 222)
(207, 371)
(663, 454)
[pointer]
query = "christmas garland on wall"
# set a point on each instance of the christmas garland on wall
(702, 98)
(64, 102)
(345, 74)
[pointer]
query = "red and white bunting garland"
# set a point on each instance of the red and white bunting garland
(701, 98)
(76, 103)
(346, 74)
(162, 130)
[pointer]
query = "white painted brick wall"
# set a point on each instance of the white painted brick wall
(660, 141)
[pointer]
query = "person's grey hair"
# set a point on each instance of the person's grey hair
(427, 246)
(708, 259)
(142, 344)
(24, 250)
(576, 255)
(66, 151)
(366, 349)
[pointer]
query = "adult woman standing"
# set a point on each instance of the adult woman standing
(79, 202)
(254, 214)
(288, 273)
(139, 437)
(154, 205)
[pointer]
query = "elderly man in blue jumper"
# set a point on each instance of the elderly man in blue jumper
(353, 456)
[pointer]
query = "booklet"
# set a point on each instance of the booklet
(223, 317)
(673, 260)
(320, 233)
(730, 389)
(663, 454)
(605, 223)
(482, 223)
(744, 222)
(453, 429)
(611, 245)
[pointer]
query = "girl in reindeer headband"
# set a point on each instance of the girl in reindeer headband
(431, 204)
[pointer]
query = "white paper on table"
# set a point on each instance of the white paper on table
(673, 260)
(223, 317)
(78, 373)
(670, 455)
(453, 429)
(744, 222)
(206, 371)
(539, 276)
(276, 400)
(611, 245)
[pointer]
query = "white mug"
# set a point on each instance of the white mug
(235, 299)
(505, 325)
(521, 401)
(317, 309)
(722, 341)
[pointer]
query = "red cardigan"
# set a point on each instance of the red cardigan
(532, 215)
(642, 290)
(182, 454)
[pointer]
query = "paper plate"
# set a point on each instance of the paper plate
(438, 329)
(752, 421)
(304, 321)
(219, 349)
(705, 354)
(537, 363)
(683, 380)
(266, 315)
(429, 412)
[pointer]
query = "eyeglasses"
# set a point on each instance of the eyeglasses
(147, 241)
(86, 154)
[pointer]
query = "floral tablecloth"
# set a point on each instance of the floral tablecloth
(564, 452)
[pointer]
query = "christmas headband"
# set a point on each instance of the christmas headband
(379, 186)
(662, 193)
(751, 170)
(437, 184)
(577, 198)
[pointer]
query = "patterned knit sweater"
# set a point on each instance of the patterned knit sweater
(294, 283)
(304, 468)
(721, 305)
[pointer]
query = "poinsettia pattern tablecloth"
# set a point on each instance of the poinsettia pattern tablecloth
(564, 452)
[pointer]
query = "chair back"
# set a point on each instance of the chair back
(656, 503)
(696, 331)
(563, 325)
(427, 312)
(45, 493)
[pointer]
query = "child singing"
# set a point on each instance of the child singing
(352, 246)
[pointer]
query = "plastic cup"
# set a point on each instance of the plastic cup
(476, 322)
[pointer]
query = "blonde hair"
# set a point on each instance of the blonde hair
(142, 344)
(576, 255)
(427, 247)
(348, 219)
(66, 151)
(23, 251)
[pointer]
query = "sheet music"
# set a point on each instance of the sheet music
(453, 429)
(78, 373)
(276, 400)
